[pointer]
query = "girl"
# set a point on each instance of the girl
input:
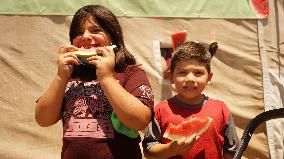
(85, 93)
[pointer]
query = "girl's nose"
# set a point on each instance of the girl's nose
(87, 36)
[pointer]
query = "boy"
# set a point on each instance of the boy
(190, 72)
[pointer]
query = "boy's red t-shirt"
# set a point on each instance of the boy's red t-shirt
(220, 136)
(210, 143)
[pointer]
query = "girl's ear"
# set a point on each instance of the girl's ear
(210, 75)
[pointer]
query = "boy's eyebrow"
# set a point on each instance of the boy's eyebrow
(196, 68)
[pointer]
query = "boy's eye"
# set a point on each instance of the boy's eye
(182, 73)
(199, 73)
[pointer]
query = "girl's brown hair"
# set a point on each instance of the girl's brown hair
(108, 21)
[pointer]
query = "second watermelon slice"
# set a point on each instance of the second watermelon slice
(188, 127)
(178, 38)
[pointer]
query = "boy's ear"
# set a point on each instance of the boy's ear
(210, 75)
(171, 77)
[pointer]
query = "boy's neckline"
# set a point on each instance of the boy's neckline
(189, 105)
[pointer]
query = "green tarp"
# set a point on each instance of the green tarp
(241, 9)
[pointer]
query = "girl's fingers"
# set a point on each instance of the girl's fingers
(110, 50)
(70, 60)
(104, 51)
(67, 48)
(71, 54)
(94, 58)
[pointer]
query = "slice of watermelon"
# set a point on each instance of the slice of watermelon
(85, 53)
(178, 38)
(260, 7)
(188, 127)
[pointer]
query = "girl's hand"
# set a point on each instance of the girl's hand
(66, 61)
(182, 146)
(104, 63)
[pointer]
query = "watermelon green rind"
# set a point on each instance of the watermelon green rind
(201, 131)
(82, 54)
(174, 135)
(85, 54)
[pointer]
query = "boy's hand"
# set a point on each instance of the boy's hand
(66, 61)
(182, 146)
(104, 64)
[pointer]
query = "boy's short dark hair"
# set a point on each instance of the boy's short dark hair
(191, 50)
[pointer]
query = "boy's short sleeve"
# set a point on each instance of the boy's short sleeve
(231, 140)
(137, 83)
(153, 135)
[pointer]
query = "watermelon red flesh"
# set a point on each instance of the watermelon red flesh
(187, 128)
(261, 7)
(178, 38)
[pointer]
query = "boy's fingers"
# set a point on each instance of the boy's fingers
(181, 141)
(190, 139)
(197, 137)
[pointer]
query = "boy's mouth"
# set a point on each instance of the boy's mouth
(189, 87)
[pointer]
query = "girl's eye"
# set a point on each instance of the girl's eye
(78, 37)
(95, 30)
(79, 34)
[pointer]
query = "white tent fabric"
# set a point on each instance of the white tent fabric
(272, 55)
(248, 74)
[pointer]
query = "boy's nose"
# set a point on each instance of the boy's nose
(190, 77)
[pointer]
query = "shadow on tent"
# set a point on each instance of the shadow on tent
(254, 123)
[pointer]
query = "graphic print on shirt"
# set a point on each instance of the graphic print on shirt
(146, 91)
(86, 111)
